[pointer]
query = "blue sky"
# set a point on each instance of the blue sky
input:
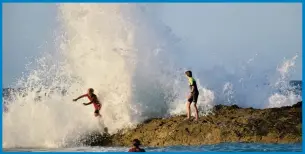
(273, 31)
(26, 29)
(235, 33)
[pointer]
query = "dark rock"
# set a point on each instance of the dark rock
(235, 106)
(297, 105)
(95, 139)
(224, 107)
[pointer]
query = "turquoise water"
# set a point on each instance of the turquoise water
(240, 147)
(223, 147)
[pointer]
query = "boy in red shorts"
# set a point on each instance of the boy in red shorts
(93, 100)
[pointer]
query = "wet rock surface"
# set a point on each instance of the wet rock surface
(227, 124)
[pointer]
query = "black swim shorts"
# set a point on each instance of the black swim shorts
(194, 97)
(97, 111)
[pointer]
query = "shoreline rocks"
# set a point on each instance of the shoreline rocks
(227, 124)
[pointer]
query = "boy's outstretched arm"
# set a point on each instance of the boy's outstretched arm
(88, 103)
(79, 97)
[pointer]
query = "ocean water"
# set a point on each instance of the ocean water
(223, 147)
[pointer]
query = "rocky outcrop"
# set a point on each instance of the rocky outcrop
(227, 124)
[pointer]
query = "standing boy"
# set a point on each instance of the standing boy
(193, 96)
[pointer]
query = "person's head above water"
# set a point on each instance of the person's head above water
(136, 143)
(188, 73)
(90, 91)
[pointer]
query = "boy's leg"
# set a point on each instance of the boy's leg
(188, 110)
(195, 98)
(188, 106)
(196, 111)
(97, 113)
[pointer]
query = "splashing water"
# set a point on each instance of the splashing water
(228, 93)
(285, 97)
(122, 56)
(129, 57)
